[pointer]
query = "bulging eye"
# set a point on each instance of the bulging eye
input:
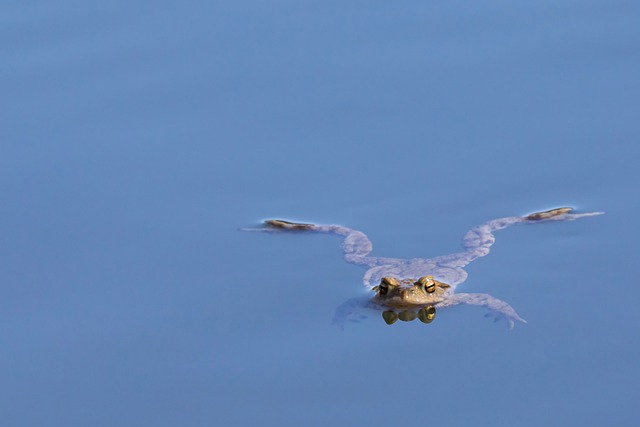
(428, 284)
(385, 285)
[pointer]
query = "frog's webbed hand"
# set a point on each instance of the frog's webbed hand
(478, 241)
(500, 308)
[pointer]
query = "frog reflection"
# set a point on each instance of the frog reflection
(412, 285)
(425, 315)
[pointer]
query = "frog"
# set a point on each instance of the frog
(408, 289)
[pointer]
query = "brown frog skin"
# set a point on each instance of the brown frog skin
(392, 292)
(423, 284)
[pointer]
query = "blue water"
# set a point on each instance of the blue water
(137, 138)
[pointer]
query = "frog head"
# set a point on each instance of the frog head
(393, 292)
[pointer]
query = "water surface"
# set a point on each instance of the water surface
(137, 140)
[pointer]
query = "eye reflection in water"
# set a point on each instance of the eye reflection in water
(425, 314)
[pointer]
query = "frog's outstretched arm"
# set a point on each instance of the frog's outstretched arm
(499, 307)
(356, 245)
(479, 239)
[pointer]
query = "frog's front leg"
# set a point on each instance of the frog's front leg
(353, 311)
(499, 307)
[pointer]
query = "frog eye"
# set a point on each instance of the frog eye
(427, 283)
(384, 286)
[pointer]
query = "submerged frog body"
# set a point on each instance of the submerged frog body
(417, 286)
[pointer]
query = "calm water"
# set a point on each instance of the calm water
(137, 138)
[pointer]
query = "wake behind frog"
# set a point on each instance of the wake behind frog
(422, 284)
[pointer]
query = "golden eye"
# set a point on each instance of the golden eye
(428, 284)
(385, 285)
